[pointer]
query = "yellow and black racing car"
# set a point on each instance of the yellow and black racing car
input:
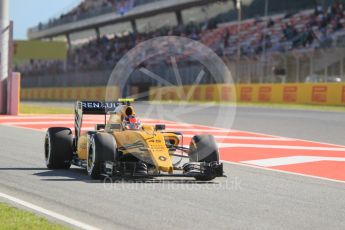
(124, 147)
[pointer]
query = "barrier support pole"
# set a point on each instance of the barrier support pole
(342, 68)
(14, 94)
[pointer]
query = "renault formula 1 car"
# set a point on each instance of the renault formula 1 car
(124, 147)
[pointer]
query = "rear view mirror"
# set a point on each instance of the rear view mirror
(115, 126)
(100, 126)
(159, 127)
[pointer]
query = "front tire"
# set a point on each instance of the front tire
(58, 148)
(204, 149)
(101, 148)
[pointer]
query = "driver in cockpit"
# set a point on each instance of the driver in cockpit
(131, 122)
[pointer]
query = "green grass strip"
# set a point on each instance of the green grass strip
(15, 219)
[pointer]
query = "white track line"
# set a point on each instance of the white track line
(258, 146)
(247, 138)
(280, 161)
(282, 171)
(48, 212)
(296, 139)
(173, 125)
(201, 130)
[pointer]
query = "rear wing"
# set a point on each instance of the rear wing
(100, 107)
(95, 107)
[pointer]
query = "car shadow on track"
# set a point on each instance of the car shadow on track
(79, 174)
(156, 181)
(72, 174)
(22, 169)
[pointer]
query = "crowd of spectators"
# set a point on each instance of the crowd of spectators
(302, 30)
(282, 33)
(321, 22)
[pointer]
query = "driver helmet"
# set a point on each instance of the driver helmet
(131, 122)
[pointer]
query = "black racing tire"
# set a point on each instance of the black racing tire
(58, 148)
(204, 149)
(101, 148)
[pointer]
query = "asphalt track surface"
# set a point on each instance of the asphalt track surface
(249, 198)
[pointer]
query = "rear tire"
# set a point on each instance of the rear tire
(58, 148)
(101, 148)
(204, 149)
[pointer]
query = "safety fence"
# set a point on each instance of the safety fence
(304, 93)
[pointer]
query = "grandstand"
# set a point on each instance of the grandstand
(273, 45)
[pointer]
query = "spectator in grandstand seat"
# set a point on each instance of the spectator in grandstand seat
(336, 24)
(270, 23)
(325, 39)
(318, 10)
(305, 38)
(264, 43)
(104, 40)
(194, 36)
(247, 48)
(288, 15)
(278, 46)
(324, 20)
(336, 9)
(123, 6)
(313, 20)
(289, 31)
(309, 37)
(226, 39)
(257, 20)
